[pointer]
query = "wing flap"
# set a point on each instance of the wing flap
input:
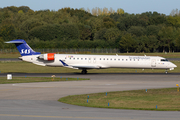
(41, 64)
(80, 66)
(86, 67)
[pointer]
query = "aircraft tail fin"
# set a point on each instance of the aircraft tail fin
(23, 47)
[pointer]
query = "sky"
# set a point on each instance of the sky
(129, 6)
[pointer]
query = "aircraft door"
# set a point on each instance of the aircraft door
(153, 63)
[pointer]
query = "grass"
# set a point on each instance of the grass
(25, 67)
(10, 55)
(3, 80)
(166, 55)
(166, 100)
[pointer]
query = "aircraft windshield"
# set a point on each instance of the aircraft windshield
(164, 60)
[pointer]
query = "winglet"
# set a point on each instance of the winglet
(64, 64)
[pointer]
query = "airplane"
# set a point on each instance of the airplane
(85, 62)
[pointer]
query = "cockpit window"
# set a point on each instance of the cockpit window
(164, 60)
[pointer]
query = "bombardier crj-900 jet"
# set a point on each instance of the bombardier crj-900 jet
(85, 62)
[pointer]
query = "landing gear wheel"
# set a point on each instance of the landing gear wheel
(166, 71)
(84, 71)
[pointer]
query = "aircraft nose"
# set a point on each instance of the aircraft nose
(174, 65)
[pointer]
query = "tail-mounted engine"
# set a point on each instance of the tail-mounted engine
(48, 56)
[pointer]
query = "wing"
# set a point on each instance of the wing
(80, 66)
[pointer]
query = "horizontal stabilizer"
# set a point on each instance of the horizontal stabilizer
(16, 41)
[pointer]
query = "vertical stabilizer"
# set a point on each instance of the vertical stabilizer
(23, 47)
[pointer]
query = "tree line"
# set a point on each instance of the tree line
(99, 28)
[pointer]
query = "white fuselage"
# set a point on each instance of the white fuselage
(103, 61)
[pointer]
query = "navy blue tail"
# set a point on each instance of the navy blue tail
(23, 47)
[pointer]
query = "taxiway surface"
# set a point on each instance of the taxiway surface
(38, 101)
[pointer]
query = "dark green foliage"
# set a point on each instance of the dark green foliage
(136, 30)
(76, 28)
(152, 30)
(100, 34)
(55, 31)
(84, 32)
(108, 22)
(157, 18)
(125, 22)
(7, 32)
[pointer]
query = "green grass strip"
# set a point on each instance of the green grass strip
(3, 80)
(21, 67)
(166, 100)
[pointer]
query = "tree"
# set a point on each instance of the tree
(105, 11)
(55, 31)
(127, 42)
(136, 30)
(8, 32)
(177, 38)
(30, 24)
(108, 22)
(95, 11)
(157, 18)
(111, 11)
(152, 30)
(120, 11)
(175, 12)
(152, 43)
(112, 34)
(124, 23)
(166, 37)
(84, 32)
(174, 21)
(100, 34)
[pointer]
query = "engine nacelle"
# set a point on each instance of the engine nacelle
(48, 56)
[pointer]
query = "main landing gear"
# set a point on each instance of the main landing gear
(166, 71)
(84, 71)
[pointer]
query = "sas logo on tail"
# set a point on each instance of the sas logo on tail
(25, 51)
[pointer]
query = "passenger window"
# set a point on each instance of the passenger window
(81, 58)
(114, 59)
(74, 58)
(126, 59)
(134, 59)
(122, 59)
(99, 58)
